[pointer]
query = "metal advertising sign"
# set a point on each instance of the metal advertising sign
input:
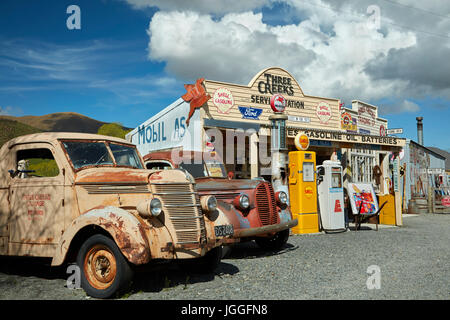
(348, 122)
(278, 103)
(223, 100)
(362, 195)
(382, 130)
(446, 201)
(250, 113)
(323, 112)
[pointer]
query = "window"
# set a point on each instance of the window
(96, 154)
(197, 170)
(36, 163)
(85, 154)
(362, 163)
(125, 156)
(158, 166)
(336, 181)
(308, 171)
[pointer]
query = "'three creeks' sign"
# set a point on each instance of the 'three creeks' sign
(273, 84)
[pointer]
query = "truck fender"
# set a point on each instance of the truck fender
(124, 228)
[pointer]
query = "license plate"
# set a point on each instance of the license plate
(225, 230)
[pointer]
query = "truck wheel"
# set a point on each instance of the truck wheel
(275, 242)
(104, 270)
(206, 264)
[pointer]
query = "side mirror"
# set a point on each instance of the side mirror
(230, 175)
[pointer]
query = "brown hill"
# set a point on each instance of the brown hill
(63, 122)
(10, 129)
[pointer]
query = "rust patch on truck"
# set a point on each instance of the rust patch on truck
(136, 253)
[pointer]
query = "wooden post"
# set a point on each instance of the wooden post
(430, 197)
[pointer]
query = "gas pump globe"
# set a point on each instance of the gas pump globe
(278, 143)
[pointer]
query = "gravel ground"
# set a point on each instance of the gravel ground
(413, 261)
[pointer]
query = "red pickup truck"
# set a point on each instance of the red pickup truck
(255, 210)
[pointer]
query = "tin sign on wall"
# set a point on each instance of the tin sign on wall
(278, 103)
(323, 112)
(348, 123)
(250, 113)
(382, 131)
(223, 100)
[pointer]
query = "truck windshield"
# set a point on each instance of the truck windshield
(125, 156)
(213, 169)
(84, 154)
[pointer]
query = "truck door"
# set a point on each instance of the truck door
(37, 200)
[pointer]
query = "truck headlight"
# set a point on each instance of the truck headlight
(209, 203)
(282, 197)
(242, 201)
(149, 208)
(155, 207)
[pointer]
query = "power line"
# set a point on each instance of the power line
(419, 9)
(388, 22)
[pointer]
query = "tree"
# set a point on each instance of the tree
(113, 129)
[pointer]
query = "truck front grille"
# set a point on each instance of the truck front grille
(266, 204)
(181, 204)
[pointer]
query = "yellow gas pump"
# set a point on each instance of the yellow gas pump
(303, 188)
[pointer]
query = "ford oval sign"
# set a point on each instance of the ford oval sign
(278, 103)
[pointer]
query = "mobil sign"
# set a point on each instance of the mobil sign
(168, 129)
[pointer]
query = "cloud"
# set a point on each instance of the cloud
(395, 106)
(202, 6)
(194, 45)
(10, 111)
(331, 47)
(327, 62)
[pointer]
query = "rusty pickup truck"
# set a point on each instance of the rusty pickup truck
(257, 212)
(88, 199)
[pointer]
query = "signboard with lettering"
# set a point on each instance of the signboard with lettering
(336, 136)
(348, 122)
(278, 103)
(394, 131)
(276, 85)
(223, 100)
(323, 112)
(168, 129)
(367, 115)
(250, 113)
(299, 119)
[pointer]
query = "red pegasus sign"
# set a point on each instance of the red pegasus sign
(196, 95)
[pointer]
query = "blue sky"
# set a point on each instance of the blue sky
(130, 58)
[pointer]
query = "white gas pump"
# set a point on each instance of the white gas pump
(331, 196)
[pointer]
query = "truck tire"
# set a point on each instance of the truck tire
(206, 264)
(275, 242)
(104, 270)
